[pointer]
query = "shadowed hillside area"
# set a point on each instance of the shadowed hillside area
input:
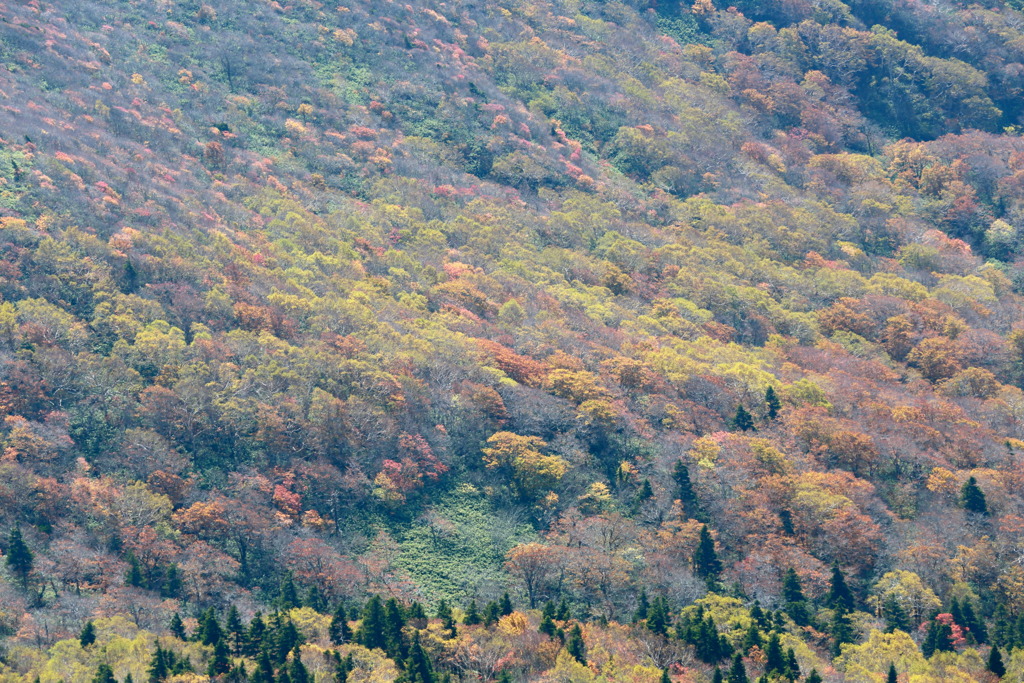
(518, 340)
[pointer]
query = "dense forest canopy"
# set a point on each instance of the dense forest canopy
(519, 340)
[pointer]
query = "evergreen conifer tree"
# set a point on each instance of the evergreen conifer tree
(737, 672)
(505, 605)
(370, 633)
(575, 645)
(19, 558)
(339, 630)
(472, 614)
(995, 662)
(394, 622)
(104, 674)
(772, 403)
(288, 595)
(417, 665)
(220, 663)
(775, 659)
(839, 594)
(742, 421)
(88, 635)
(158, 666)
(893, 676)
(235, 630)
(705, 560)
(813, 677)
(973, 498)
(296, 669)
(177, 627)
(684, 490)
(793, 596)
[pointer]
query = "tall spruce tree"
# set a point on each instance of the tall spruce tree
(772, 403)
(705, 560)
(972, 498)
(19, 558)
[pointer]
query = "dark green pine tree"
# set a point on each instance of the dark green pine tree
(170, 587)
(415, 612)
(575, 646)
(972, 622)
(444, 613)
(288, 595)
(220, 663)
(472, 614)
(775, 659)
(549, 609)
(642, 605)
(752, 637)
(793, 597)
(492, 612)
(505, 605)
(563, 613)
(296, 669)
(772, 403)
(839, 595)
(841, 630)
(19, 558)
(315, 599)
(210, 632)
(283, 677)
(237, 674)
(658, 619)
(417, 664)
(158, 666)
(708, 642)
(264, 671)
(973, 498)
(127, 679)
(813, 677)
(88, 635)
(104, 674)
(547, 626)
(937, 639)
(737, 672)
(286, 638)
(235, 631)
(757, 614)
(177, 627)
(255, 636)
(896, 618)
(339, 630)
(995, 662)
(684, 490)
(343, 669)
(792, 666)
(717, 676)
(893, 676)
(394, 622)
(705, 560)
(133, 577)
(370, 633)
(742, 420)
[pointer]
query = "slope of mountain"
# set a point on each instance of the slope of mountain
(699, 327)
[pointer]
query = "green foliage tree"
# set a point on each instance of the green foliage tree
(772, 403)
(839, 596)
(88, 635)
(893, 676)
(705, 559)
(737, 672)
(104, 674)
(372, 628)
(19, 558)
(742, 420)
(575, 646)
(972, 498)
(995, 662)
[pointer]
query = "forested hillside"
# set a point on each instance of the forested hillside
(518, 340)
